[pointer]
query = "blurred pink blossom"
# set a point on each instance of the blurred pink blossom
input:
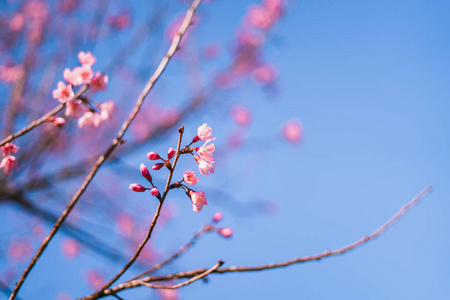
(74, 109)
(241, 115)
(86, 59)
(9, 164)
(90, 119)
(99, 82)
(63, 93)
(70, 248)
(292, 131)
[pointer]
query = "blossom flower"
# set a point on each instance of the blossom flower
(217, 217)
(98, 82)
(241, 115)
(171, 153)
(190, 178)
(86, 59)
(204, 133)
(292, 131)
(92, 119)
(206, 151)
(79, 75)
(145, 172)
(198, 199)
(265, 74)
(226, 232)
(9, 163)
(9, 148)
(107, 109)
(63, 93)
(59, 122)
(135, 187)
(204, 166)
(153, 155)
(74, 109)
(70, 248)
(154, 192)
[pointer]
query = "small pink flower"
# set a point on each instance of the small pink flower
(98, 82)
(86, 59)
(74, 109)
(204, 133)
(59, 122)
(70, 248)
(198, 199)
(171, 153)
(206, 152)
(92, 119)
(153, 156)
(190, 178)
(9, 148)
(71, 77)
(107, 109)
(63, 93)
(292, 131)
(79, 75)
(241, 115)
(136, 187)
(226, 232)
(154, 192)
(204, 166)
(9, 163)
(145, 172)
(217, 217)
(157, 166)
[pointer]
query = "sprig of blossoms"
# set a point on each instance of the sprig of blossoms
(9, 162)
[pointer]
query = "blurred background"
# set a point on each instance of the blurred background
(329, 116)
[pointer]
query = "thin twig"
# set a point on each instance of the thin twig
(183, 249)
(116, 142)
(360, 242)
(44, 118)
(195, 278)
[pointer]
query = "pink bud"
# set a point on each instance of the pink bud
(154, 192)
(171, 153)
(226, 232)
(217, 217)
(157, 166)
(59, 122)
(135, 187)
(195, 139)
(153, 156)
(145, 172)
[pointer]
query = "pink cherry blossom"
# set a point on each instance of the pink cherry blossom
(79, 75)
(70, 248)
(9, 164)
(153, 156)
(265, 74)
(9, 148)
(198, 199)
(241, 115)
(154, 192)
(63, 93)
(71, 77)
(206, 152)
(171, 153)
(136, 187)
(204, 133)
(226, 232)
(91, 119)
(107, 109)
(59, 122)
(99, 82)
(86, 59)
(292, 131)
(74, 109)
(145, 172)
(204, 166)
(190, 178)
(217, 217)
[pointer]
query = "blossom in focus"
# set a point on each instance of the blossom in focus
(153, 155)
(99, 82)
(136, 187)
(8, 149)
(205, 167)
(204, 134)
(226, 232)
(9, 163)
(91, 119)
(145, 172)
(190, 178)
(79, 75)
(198, 199)
(63, 93)
(107, 109)
(154, 192)
(86, 59)
(292, 131)
(206, 152)
(74, 109)
(171, 153)
(157, 166)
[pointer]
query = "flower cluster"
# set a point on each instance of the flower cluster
(9, 162)
(204, 160)
(91, 115)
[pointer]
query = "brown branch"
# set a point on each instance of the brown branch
(116, 142)
(195, 278)
(327, 253)
(42, 119)
(177, 254)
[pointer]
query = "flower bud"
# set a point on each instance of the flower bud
(154, 192)
(226, 232)
(153, 156)
(157, 166)
(217, 217)
(145, 172)
(135, 187)
(171, 153)
(59, 122)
